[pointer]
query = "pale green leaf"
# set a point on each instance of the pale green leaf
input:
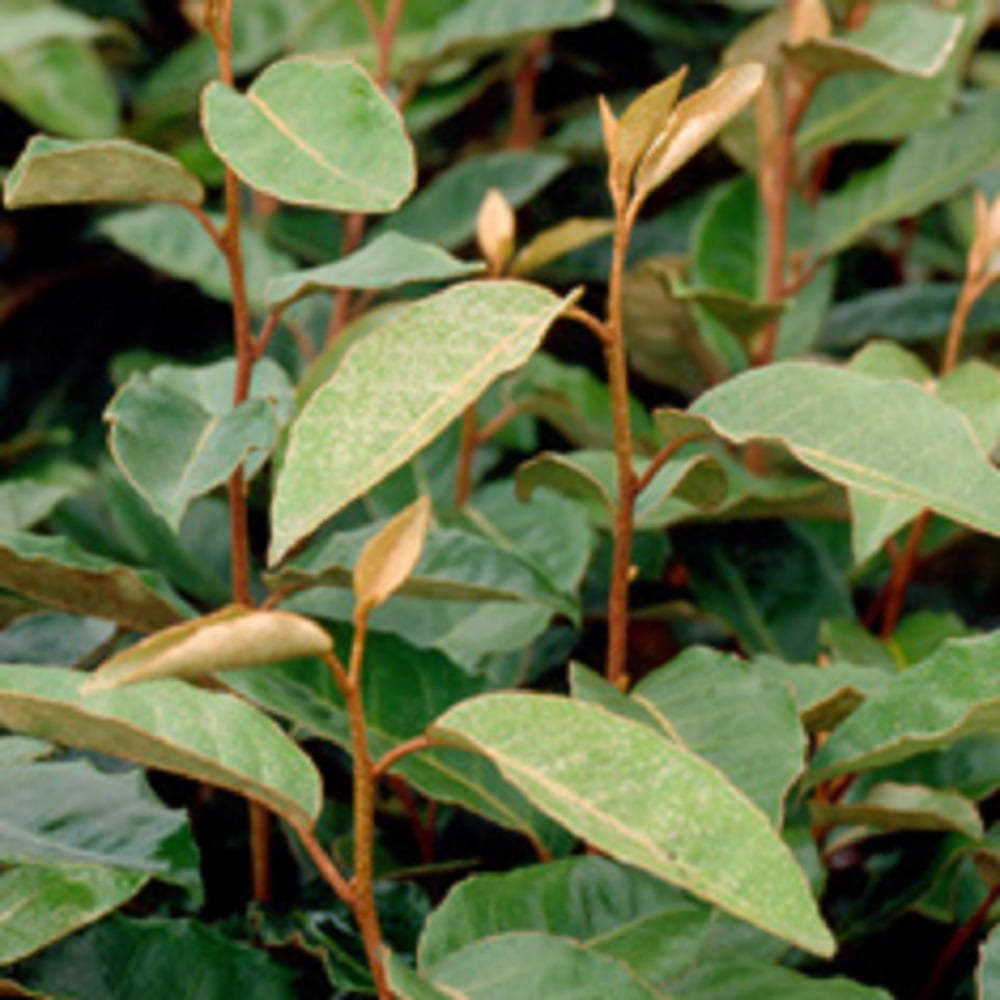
(223, 640)
(907, 40)
(744, 980)
(60, 171)
(313, 133)
(953, 694)
(988, 972)
(645, 801)
(388, 261)
(169, 725)
(930, 166)
(888, 438)
(973, 388)
(360, 426)
(43, 904)
(25, 25)
(59, 574)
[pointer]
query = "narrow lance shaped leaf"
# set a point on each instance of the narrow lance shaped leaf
(644, 119)
(645, 801)
(398, 389)
(313, 133)
(225, 640)
(561, 239)
(695, 122)
(62, 171)
(388, 559)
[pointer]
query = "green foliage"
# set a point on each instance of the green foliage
(377, 545)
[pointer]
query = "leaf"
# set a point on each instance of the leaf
(973, 388)
(388, 261)
(644, 801)
(404, 690)
(772, 583)
(695, 122)
(988, 971)
(951, 695)
(44, 904)
(61, 85)
(445, 211)
(480, 25)
(510, 965)
(560, 239)
(223, 640)
(447, 349)
(172, 450)
(25, 25)
(158, 958)
(71, 815)
(744, 980)
(170, 239)
(313, 133)
(390, 556)
(930, 166)
(761, 748)
(912, 41)
(909, 445)
(641, 124)
(166, 724)
(59, 171)
(25, 502)
(59, 574)
(608, 908)
(891, 806)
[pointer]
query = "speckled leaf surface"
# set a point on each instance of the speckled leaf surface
(313, 133)
(907, 446)
(953, 694)
(645, 801)
(169, 725)
(398, 389)
(988, 973)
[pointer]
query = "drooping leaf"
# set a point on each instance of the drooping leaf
(951, 695)
(389, 260)
(892, 806)
(43, 904)
(761, 748)
(404, 689)
(928, 167)
(911, 41)
(644, 801)
(159, 958)
(390, 556)
(446, 350)
(172, 450)
(909, 446)
(445, 211)
(509, 965)
(167, 724)
(170, 239)
(313, 133)
(228, 639)
(480, 25)
(62, 86)
(71, 815)
(616, 911)
(561, 239)
(59, 574)
(60, 171)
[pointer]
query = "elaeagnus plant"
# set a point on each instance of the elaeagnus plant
(409, 617)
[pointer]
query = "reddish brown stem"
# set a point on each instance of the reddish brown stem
(423, 831)
(524, 126)
(466, 455)
(392, 757)
(902, 573)
(354, 231)
(661, 458)
(325, 866)
(598, 328)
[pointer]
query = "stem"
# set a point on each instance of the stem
(365, 911)
(392, 757)
(326, 867)
(354, 230)
(614, 353)
(524, 124)
(598, 328)
(661, 458)
(466, 454)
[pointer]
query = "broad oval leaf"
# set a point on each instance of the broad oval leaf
(224, 640)
(885, 437)
(59, 574)
(952, 694)
(43, 904)
(167, 724)
(398, 389)
(389, 260)
(737, 979)
(313, 133)
(695, 122)
(60, 172)
(645, 801)
(390, 557)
